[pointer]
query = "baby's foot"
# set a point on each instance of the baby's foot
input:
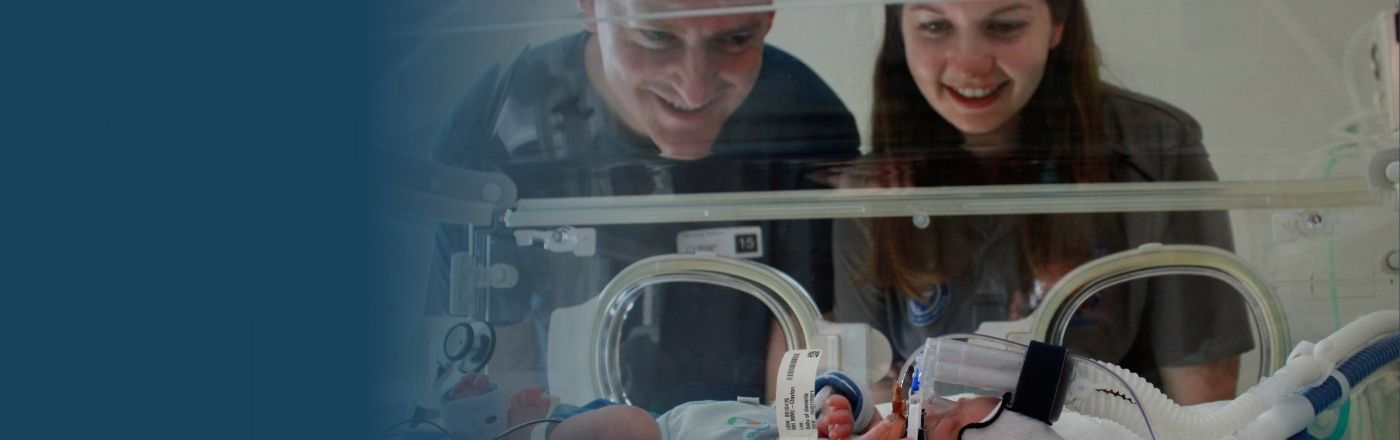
(526, 405)
(471, 384)
(837, 421)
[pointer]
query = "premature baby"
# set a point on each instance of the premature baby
(844, 415)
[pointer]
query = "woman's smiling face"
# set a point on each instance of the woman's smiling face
(978, 63)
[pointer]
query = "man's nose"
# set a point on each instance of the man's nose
(971, 58)
(696, 79)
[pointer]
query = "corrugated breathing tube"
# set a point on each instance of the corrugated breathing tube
(1354, 370)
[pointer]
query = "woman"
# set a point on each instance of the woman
(1007, 92)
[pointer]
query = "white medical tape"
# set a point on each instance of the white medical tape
(796, 409)
(914, 420)
(1345, 384)
(541, 431)
(1324, 364)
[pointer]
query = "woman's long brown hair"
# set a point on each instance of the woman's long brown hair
(1060, 140)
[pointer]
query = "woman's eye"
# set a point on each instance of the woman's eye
(936, 26)
(1005, 28)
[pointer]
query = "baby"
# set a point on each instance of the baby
(839, 419)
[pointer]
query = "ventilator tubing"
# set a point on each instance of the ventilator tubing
(1273, 394)
(1170, 420)
(1304, 407)
(1295, 411)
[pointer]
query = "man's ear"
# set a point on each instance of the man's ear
(768, 21)
(586, 7)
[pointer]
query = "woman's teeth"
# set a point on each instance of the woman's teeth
(975, 92)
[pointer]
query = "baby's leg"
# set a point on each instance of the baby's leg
(526, 405)
(471, 384)
(837, 421)
(616, 422)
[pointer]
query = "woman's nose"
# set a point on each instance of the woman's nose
(971, 58)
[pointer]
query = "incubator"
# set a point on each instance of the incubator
(1156, 205)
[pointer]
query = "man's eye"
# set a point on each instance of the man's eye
(737, 42)
(656, 36)
(1005, 28)
(936, 26)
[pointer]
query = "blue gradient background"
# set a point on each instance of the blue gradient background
(183, 220)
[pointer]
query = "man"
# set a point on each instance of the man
(645, 105)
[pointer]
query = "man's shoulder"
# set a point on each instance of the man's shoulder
(781, 59)
(786, 75)
(791, 111)
(554, 64)
(499, 106)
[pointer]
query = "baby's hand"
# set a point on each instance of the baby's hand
(472, 384)
(888, 429)
(837, 420)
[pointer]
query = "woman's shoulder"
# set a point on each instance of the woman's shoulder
(1139, 111)
(1139, 124)
(1154, 140)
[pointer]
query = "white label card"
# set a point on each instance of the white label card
(797, 413)
(737, 242)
